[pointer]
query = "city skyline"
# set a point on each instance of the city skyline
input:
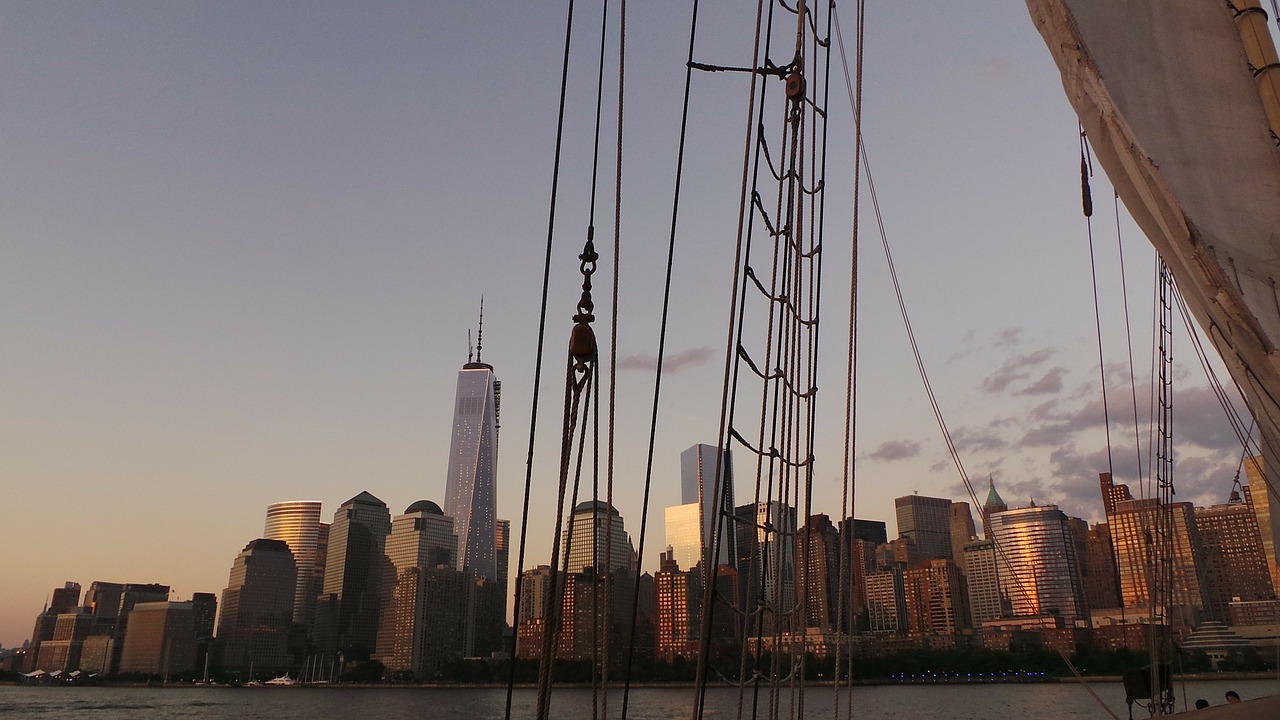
(1044, 573)
(243, 246)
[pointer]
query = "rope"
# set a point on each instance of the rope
(1087, 201)
(662, 344)
(537, 372)
(848, 487)
(595, 487)
(613, 348)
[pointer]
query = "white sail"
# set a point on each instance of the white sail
(1175, 115)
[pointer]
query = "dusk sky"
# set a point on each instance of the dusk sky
(242, 245)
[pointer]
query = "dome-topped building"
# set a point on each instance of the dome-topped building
(425, 506)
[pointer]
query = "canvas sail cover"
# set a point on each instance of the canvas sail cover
(1172, 109)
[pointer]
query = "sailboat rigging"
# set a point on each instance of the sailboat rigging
(752, 633)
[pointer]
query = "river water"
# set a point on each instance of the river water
(1041, 701)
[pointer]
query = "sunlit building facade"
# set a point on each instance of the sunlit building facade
(161, 639)
(596, 538)
(936, 599)
(677, 611)
(297, 523)
(698, 467)
(1147, 536)
(1036, 562)
(1265, 499)
(683, 528)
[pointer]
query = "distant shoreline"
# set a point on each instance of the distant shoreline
(615, 686)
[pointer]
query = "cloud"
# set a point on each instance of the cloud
(1198, 418)
(1008, 337)
(671, 364)
(895, 450)
(1048, 384)
(1015, 369)
(985, 440)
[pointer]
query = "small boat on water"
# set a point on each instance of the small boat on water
(282, 681)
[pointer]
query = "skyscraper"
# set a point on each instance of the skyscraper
(962, 531)
(993, 504)
(1037, 564)
(698, 481)
(347, 611)
(471, 486)
(161, 639)
(1235, 564)
(297, 524)
(257, 607)
(1098, 569)
(424, 595)
(678, 611)
(1147, 536)
(1265, 498)
(926, 522)
(817, 572)
(766, 557)
(985, 599)
(591, 537)
(886, 601)
(937, 603)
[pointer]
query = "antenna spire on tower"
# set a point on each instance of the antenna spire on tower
(470, 348)
(480, 331)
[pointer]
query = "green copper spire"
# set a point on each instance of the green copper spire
(993, 498)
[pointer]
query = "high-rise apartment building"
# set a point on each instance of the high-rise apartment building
(161, 639)
(1235, 563)
(937, 603)
(818, 573)
(678, 611)
(886, 601)
(471, 486)
(1037, 564)
(926, 522)
(257, 608)
(347, 610)
(297, 524)
(423, 617)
